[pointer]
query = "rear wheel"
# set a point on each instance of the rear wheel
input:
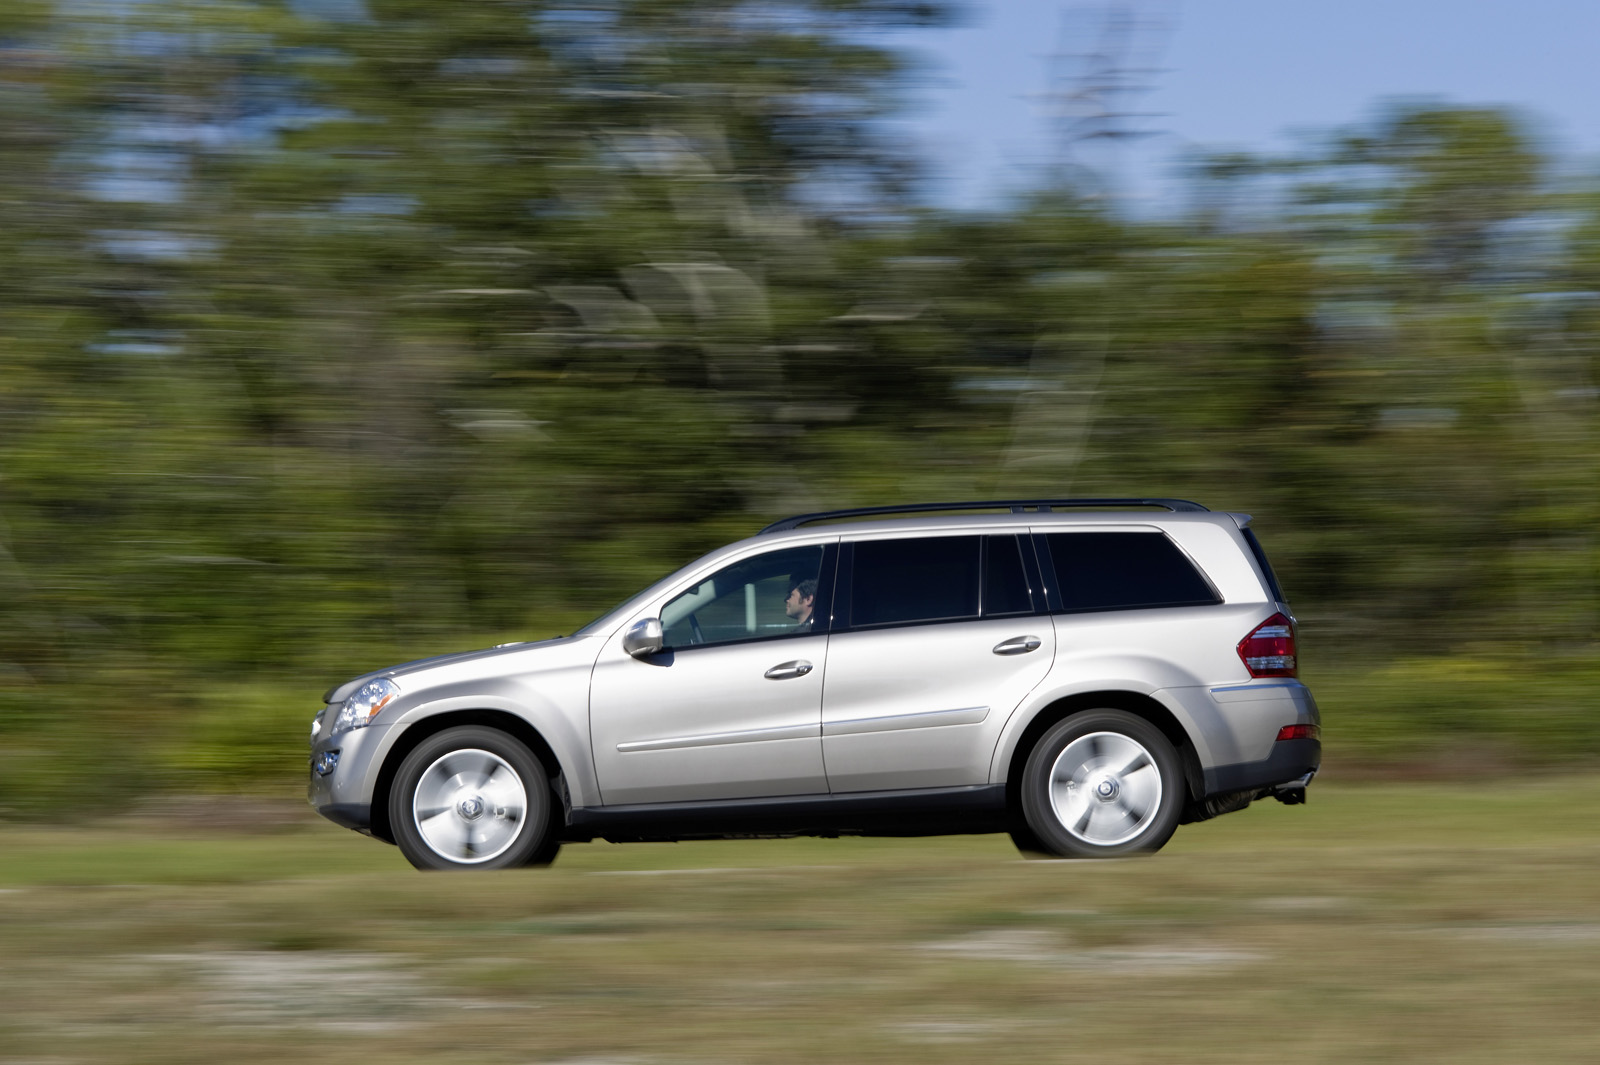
(472, 798)
(1101, 784)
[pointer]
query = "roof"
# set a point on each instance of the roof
(1012, 507)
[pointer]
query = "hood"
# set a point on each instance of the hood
(340, 692)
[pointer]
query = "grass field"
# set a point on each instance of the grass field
(1422, 923)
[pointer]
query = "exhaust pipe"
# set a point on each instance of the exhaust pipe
(1294, 792)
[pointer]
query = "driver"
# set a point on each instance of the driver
(802, 598)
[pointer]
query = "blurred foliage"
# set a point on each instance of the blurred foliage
(334, 333)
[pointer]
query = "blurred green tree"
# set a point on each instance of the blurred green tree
(333, 333)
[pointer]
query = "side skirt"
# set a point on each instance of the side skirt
(920, 812)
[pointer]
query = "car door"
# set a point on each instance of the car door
(731, 707)
(936, 640)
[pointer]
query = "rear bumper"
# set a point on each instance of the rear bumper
(1290, 760)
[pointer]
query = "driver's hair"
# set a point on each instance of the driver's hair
(808, 588)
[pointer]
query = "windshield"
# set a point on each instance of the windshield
(613, 617)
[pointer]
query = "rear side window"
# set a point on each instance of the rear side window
(898, 582)
(1125, 571)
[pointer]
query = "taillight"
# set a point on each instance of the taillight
(1269, 650)
(1300, 732)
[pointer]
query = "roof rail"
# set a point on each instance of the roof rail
(1016, 506)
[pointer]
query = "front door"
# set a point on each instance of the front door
(940, 641)
(732, 707)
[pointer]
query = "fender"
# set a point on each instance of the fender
(1047, 694)
(565, 731)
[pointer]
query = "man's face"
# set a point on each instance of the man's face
(796, 607)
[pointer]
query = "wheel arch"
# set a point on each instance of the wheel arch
(1136, 703)
(419, 730)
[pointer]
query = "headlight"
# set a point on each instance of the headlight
(364, 705)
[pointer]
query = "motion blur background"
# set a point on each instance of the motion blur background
(338, 332)
(335, 333)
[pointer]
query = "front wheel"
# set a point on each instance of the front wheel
(1102, 784)
(471, 798)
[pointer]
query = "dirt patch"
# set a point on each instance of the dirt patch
(945, 1031)
(1302, 903)
(337, 991)
(1044, 948)
(1574, 934)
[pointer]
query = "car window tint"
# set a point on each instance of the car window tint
(744, 601)
(1123, 571)
(896, 582)
(1266, 567)
(1005, 582)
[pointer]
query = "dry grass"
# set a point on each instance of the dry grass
(1411, 924)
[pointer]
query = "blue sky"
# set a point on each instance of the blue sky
(1247, 73)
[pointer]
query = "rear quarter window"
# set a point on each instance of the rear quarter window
(1266, 567)
(1125, 571)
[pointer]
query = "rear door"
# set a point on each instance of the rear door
(936, 639)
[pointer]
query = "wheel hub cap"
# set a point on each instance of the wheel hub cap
(1105, 788)
(470, 805)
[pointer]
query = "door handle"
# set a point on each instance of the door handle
(1018, 645)
(788, 670)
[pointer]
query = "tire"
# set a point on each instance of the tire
(472, 798)
(545, 853)
(1028, 844)
(1102, 784)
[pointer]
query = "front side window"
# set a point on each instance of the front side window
(770, 595)
(1125, 571)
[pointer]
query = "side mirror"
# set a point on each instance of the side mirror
(643, 638)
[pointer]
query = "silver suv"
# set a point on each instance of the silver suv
(1084, 674)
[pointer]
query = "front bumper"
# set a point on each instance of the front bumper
(344, 796)
(356, 815)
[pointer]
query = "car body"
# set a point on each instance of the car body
(1086, 675)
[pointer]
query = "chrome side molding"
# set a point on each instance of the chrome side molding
(969, 715)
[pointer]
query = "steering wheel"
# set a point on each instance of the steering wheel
(695, 635)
